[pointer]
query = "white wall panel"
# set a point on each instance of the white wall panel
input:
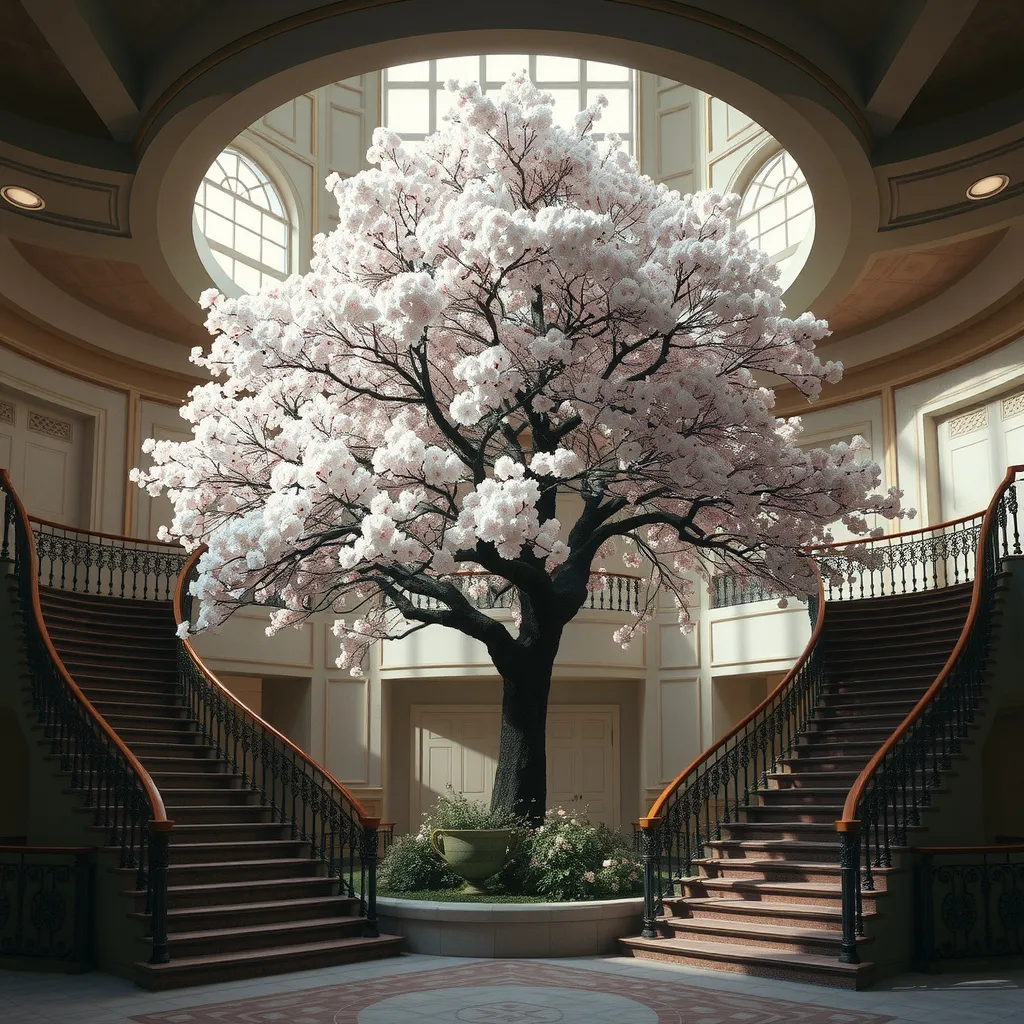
(679, 724)
(346, 723)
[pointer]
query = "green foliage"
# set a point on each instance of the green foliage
(411, 865)
(565, 858)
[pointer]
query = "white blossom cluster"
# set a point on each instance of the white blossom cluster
(508, 311)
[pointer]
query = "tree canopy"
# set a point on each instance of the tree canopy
(508, 315)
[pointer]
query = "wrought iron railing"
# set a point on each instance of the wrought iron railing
(730, 589)
(47, 904)
(104, 564)
(607, 591)
(968, 903)
(713, 790)
(298, 791)
(124, 799)
(930, 558)
(896, 784)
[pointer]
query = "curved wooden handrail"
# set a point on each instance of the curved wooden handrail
(179, 617)
(97, 533)
(849, 819)
(156, 802)
(822, 548)
(658, 805)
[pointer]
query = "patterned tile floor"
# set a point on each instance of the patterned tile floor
(444, 990)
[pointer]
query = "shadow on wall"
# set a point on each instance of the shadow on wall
(15, 771)
(1003, 770)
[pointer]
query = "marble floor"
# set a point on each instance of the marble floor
(415, 989)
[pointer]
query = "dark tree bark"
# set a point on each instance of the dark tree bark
(520, 780)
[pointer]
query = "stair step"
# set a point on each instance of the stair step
(256, 914)
(222, 781)
(758, 935)
(211, 832)
(248, 891)
(206, 872)
(747, 959)
(252, 963)
(282, 933)
(221, 814)
(725, 908)
(781, 849)
(769, 870)
(271, 849)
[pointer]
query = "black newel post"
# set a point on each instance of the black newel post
(159, 858)
(849, 871)
(650, 846)
(368, 856)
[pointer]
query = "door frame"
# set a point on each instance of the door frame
(416, 712)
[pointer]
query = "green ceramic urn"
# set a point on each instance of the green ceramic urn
(474, 854)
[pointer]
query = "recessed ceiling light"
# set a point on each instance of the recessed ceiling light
(990, 185)
(23, 198)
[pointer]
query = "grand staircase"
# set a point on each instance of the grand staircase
(765, 895)
(245, 897)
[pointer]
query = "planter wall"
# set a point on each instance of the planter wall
(511, 929)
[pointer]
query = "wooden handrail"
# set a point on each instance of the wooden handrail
(156, 802)
(96, 533)
(658, 806)
(857, 790)
(825, 548)
(179, 617)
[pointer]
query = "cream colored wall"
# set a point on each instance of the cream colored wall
(102, 413)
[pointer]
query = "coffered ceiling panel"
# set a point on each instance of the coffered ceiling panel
(118, 289)
(985, 63)
(34, 83)
(894, 282)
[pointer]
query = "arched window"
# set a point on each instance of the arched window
(777, 211)
(415, 99)
(243, 219)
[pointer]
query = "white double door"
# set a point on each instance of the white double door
(975, 447)
(458, 746)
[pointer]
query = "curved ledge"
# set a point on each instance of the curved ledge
(586, 928)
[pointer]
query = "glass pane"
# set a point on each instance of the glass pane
(408, 110)
(599, 72)
(500, 66)
(773, 215)
(247, 243)
(274, 256)
(246, 278)
(801, 226)
(220, 229)
(462, 68)
(417, 72)
(567, 106)
(274, 230)
(226, 262)
(220, 202)
(773, 241)
(558, 69)
(445, 101)
(614, 117)
(248, 216)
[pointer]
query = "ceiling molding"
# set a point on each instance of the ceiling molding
(671, 8)
(84, 204)
(939, 191)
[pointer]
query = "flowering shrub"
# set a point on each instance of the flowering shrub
(573, 859)
(565, 858)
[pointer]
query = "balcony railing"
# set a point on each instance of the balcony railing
(968, 903)
(47, 905)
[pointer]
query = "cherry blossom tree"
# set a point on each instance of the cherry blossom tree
(510, 326)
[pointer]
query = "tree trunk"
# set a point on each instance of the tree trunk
(520, 782)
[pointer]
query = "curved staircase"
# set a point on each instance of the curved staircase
(766, 895)
(244, 896)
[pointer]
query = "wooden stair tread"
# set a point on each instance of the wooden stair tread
(757, 909)
(753, 929)
(750, 954)
(275, 954)
(299, 905)
(313, 924)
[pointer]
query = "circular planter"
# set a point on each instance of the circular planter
(474, 854)
(511, 929)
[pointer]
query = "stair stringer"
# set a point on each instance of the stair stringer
(956, 814)
(57, 814)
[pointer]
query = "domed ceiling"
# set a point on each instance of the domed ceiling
(112, 111)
